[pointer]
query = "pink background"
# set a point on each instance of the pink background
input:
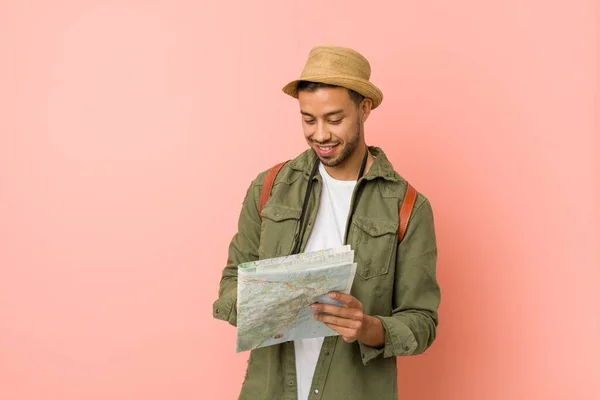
(129, 131)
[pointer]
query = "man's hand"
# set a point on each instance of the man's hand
(350, 321)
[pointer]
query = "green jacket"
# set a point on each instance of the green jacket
(395, 282)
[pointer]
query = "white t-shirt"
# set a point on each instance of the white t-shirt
(328, 232)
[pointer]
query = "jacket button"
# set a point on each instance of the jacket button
(217, 310)
(326, 352)
(290, 382)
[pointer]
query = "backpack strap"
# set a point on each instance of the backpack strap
(406, 210)
(267, 186)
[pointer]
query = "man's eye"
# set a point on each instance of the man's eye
(335, 122)
(309, 121)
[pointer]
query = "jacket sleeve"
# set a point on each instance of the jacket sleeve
(242, 248)
(411, 328)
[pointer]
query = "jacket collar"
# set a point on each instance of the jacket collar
(381, 167)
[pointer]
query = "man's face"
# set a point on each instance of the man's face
(332, 123)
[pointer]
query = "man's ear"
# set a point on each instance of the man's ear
(365, 108)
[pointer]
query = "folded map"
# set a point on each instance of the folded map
(274, 295)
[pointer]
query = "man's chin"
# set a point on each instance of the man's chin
(330, 161)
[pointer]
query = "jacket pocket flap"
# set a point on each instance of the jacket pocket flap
(279, 213)
(375, 227)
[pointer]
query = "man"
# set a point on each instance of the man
(350, 194)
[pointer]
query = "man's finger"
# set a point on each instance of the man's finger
(342, 322)
(348, 300)
(349, 335)
(350, 313)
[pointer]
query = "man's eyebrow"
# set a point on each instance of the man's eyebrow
(329, 114)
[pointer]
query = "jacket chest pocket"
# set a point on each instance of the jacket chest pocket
(277, 230)
(375, 243)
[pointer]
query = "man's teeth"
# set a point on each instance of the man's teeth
(326, 148)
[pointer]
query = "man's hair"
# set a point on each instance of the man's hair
(309, 86)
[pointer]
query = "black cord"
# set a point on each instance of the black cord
(363, 165)
(300, 235)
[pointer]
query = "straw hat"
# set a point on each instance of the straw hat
(338, 66)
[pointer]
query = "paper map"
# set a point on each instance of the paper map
(274, 295)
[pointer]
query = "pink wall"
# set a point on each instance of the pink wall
(129, 131)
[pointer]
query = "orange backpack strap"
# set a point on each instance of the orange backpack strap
(406, 210)
(267, 186)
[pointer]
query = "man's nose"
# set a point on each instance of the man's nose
(322, 134)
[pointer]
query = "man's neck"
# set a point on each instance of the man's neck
(350, 168)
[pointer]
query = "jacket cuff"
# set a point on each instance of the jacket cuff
(399, 341)
(224, 309)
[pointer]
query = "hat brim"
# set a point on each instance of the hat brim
(365, 88)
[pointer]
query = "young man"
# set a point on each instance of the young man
(350, 194)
